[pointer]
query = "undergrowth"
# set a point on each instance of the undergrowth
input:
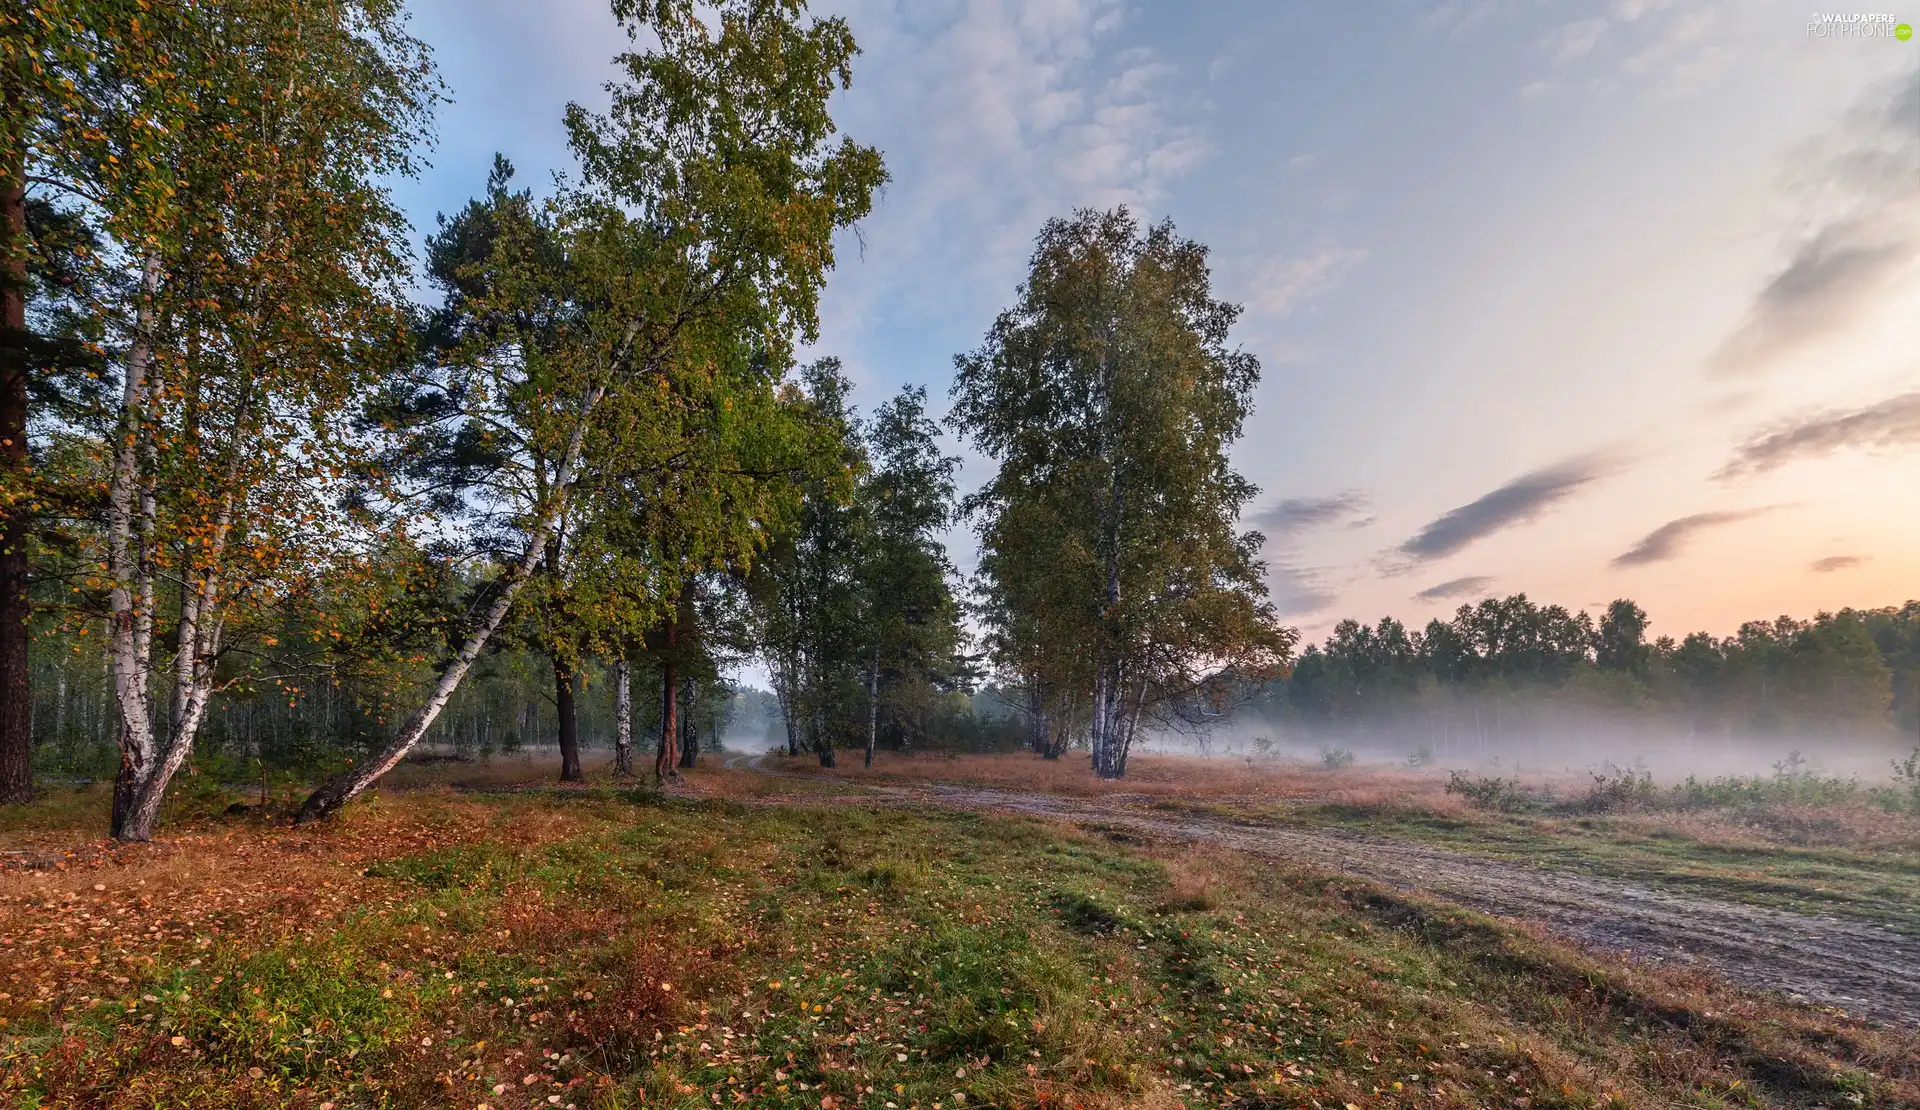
(601, 950)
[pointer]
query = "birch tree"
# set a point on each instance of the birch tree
(228, 155)
(705, 209)
(1109, 397)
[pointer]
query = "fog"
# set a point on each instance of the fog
(1554, 743)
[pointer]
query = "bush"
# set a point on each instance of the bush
(1619, 788)
(1334, 759)
(1491, 792)
(1906, 782)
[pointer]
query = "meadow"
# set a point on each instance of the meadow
(475, 936)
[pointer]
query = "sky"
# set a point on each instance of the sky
(1580, 300)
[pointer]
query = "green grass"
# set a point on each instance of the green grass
(1880, 887)
(665, 953)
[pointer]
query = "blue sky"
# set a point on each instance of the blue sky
(1585, 300)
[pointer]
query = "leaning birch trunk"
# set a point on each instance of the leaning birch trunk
(129, 655)
(342, 789)
(622, 717)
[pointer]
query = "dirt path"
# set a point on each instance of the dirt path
(1851, 965)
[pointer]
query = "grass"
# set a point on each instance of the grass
(598, 948)
(1748, 841)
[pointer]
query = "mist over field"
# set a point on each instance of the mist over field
(1549, 744)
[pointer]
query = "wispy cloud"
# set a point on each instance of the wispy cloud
(1836, 562)
(1574, 40)
(1297, 591)
(1665, 542)
(1469, 586)
(1283, 284)
(1518, 502)
(1861, 183)
(1892, 423)
(1020, 112)
(1293, 515)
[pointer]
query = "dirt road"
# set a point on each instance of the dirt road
(1854, 966)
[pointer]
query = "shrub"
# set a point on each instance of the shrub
(1906, 781)
(1490, 792)
(1619, 788)
(1333, 759)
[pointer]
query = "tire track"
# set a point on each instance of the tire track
(1851, 965)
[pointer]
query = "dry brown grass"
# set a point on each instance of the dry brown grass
(1148, 776)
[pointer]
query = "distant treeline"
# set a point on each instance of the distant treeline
(1502, 668)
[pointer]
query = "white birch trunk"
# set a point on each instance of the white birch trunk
(129, 562)
(622, 717)
(873, 704)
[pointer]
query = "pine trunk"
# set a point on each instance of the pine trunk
(566, 688)
(667, 759)
(689, 731)
(16, 692)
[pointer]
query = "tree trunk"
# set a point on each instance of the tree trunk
(622, 717)
(689, 731)
(873, 704)
(16, 692)
(566, 687)
(342, 789)
(1036, 715)
(666, 760)
(130, 511)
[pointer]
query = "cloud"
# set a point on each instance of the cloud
(1828, 281)
(1458, 587)
(1456, 16)
(1574, 40)
(1860, 183)
(1517, 502)
(1282, 285)
(1665, 542)
(995, 116)
(1297, 591)
(1290, 517)
(1836, 562)
(1892, 423)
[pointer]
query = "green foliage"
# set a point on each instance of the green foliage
(1618, 788)
(1906, 778)
(1491, 792)
(1846, 672)
(855, 611)
(1333, 759)
(1112, 576)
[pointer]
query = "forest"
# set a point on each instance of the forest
(267, 511)
(284, 498)
(1509, 669)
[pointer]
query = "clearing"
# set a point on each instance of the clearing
(473, 937)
